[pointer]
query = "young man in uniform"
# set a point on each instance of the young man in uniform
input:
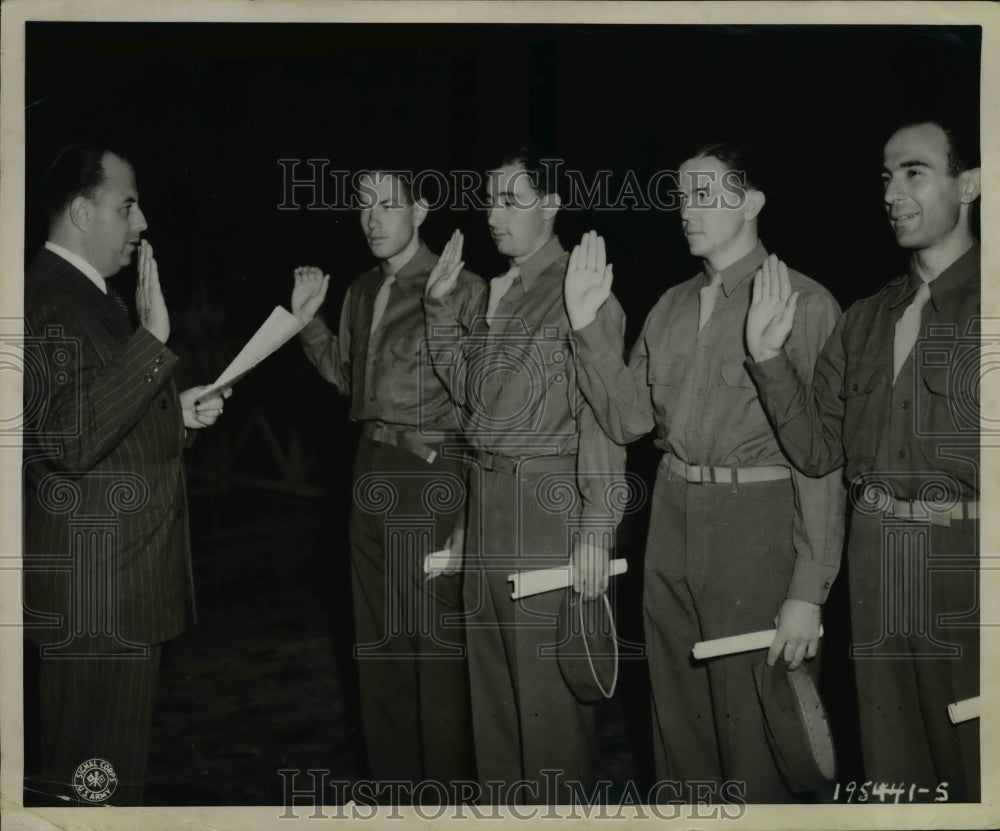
(895, 399)
(738, 540)
(541, 491)
(409, 490)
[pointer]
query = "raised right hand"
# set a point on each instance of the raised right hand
(444, 275)
(772, 312)
(149, 300)
(588, 280)
(309, 292)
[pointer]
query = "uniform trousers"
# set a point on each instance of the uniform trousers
(525, 719)
(94, 708)
(718, 562)
(915, 645)
(410, 646)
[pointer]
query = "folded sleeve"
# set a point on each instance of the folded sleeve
(618, 395)
(328, 352)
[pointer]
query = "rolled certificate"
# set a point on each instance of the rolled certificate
(527, 583)
(964, 710)
(437, 562)
(735, 644)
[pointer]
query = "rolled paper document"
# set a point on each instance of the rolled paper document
(527, 583)
(964, 710)
(736, 643)
(437, 562)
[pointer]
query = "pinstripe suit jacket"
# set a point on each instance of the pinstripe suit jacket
(107, 556)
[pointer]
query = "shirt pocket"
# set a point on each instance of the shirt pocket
(735, 374)
(950, 401)
(862, 410)
(666, 372)
(665, 376)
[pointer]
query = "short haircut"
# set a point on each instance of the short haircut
(78, 170)
(540, 166)
(404, 178)
(962, 137)
(736, 156)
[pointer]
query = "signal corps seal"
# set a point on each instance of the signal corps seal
(95, 780)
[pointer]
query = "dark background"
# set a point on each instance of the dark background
(206, 110)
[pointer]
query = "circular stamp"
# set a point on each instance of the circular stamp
(95, 780)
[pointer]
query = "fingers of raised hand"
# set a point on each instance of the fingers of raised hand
(783, 280)
(575, 257)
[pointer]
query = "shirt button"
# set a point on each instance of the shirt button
(905, 405)
(163, 404)
(901, 454)
(854, 387)
(178, 513)
(148, 378)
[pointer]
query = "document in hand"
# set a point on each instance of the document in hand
(274, 333)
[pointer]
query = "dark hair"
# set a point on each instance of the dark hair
(78, 170)
(403, 177)
(541, 167)
(962, 137)
(739, 157)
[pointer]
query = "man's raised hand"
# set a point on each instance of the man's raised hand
(149, 300)
(444, 275)
(588, 280)
(772, 312)
(309, 292)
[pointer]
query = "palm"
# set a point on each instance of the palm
(772, 311)
(444, 275)
(588, 280)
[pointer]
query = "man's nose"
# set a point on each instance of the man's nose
(493, 216)
(893, 191)
(139, 220)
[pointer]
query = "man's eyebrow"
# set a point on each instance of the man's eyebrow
(907, 164)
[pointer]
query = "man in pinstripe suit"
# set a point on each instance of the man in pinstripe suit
(107, 568)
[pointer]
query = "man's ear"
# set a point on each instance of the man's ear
(81, 213)
(971, 184)
(754, 204)
(420, 209)
(551, 203)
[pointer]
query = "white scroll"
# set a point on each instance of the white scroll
(527, 583)
(735, 644)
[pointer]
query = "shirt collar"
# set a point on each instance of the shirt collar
(744, 267)
(532, 267)
(80, 264)
(415, 271)
(954, 277)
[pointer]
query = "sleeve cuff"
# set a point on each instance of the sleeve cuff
(810, 582)
(778, 368)
(591, 342)
(314, 332)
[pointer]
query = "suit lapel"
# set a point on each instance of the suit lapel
(87, 297)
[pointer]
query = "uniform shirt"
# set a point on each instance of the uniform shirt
(919, 437)
(389, 377)
(692, 387)
(516, 382)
